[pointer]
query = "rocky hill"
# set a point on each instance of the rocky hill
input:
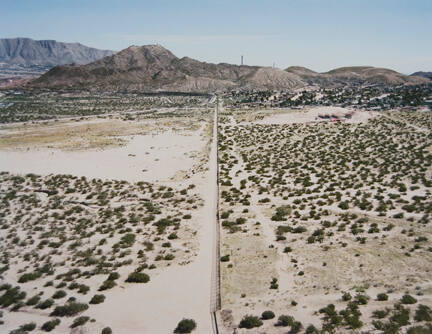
(355, 75)
(427, 75)
(28, 52)
(154, 68)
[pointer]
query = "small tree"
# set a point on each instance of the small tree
(185, 326)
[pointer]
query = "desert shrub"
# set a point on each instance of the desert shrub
(169, 257)
(24, 278)
(344, 205)
(24, 329)
(346, 296)
(250, 321)
(266, 315)
(47, 303)
(83, 289)
(59, 294)
(362, 299)
(79, 321)
(185, 326)
(420, 329)
(113, 276)
(400, 316)
(97, 299)
(50, 325)
(136, 277)
(107, 330)
(382, 297)
(225, 258)
(311, 329)
(296, 327)
(274, 284)
(69, 309)
(285, 320)
(408, 299)
(33, 300)
(172, 236)
(423, 313)
(380, 314)
(11, 296)
(106, 285)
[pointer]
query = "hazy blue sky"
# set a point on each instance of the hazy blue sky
(319, 34)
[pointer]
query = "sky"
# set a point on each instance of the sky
(318, 34)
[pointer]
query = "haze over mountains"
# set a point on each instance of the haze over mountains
(27, 52)
(154, 68)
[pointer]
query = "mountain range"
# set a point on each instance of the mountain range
(28, 52)
(154, 68)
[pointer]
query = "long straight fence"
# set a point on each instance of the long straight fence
(216, 275)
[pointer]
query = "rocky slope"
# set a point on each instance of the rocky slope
(427, 75)
(28, 52)
(153, 68)
(356, 75)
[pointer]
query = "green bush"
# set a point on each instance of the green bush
(33, 300)
(285, 320)
(11, 296)
(113, 276)
(136, 277)
(423, 313)
(311, 329)
(420, 329)
(346, 296)
(50, 325)
(29, 277)
(106, 285)
(59, 294)
(250, 321)
(107, 330)
(408, 299)
(79, 321)
(185, 326)
(225, 258)
(24, 329)
(69, 309)
(97, 299)
(382, 297)
(266, 315)
(47, 303)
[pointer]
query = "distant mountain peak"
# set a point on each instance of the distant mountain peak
(27, 52)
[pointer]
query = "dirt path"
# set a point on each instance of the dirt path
(213, 219)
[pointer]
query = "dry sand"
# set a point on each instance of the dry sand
(313, 115)
(144, 158)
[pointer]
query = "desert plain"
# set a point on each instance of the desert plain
(313, 220)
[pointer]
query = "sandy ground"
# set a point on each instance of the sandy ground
(144, 158)
(256, 256)
(313, 115)
(174, 292)
(178, 292)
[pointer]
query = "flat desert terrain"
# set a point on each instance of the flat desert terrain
(326, 221)
(104, 224)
